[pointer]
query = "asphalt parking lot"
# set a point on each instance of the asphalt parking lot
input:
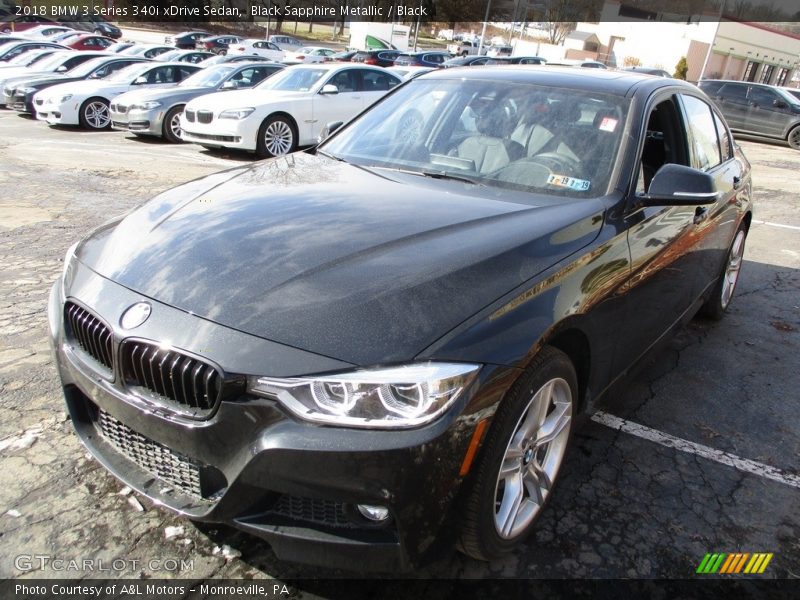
(698, 455)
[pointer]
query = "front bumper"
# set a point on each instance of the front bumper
(290, 482)
(61, 113)
(221, 133)
(146, 122)
(21, 102)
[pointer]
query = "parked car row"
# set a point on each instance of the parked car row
(230, 103)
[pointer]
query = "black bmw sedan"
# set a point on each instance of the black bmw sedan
(378, 349)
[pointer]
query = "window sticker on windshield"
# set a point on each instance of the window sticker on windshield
(608, 124)
(580, 185)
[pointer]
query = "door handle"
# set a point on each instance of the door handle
(700, 214)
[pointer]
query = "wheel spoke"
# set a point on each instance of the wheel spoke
(554, 424)
(511, 503)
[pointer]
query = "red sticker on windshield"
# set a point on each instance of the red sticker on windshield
(608, 124)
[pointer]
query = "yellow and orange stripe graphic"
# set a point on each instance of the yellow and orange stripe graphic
(723, 563)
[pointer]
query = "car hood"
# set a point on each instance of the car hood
(152, 95)
(239, 98)
(336, 259)
(43, 79)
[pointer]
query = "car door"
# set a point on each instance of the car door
(732, 101)
(375, 84)
(711, 151)
(662, 240)
(341, 106)
(767, 113)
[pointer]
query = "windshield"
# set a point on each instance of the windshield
(207, 77)
(169, 55)
(29, 58)
(86, 68)
(791, 99)
(495, 133)
(130, 73)
(293, 80)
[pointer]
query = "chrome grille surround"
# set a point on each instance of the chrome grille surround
(92, 335)
(185, 383)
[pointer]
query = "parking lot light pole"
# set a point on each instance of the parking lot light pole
(483, 30)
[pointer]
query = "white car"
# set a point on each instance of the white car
(45, 31)
(287, 111)
(85, 103)
(286, 42)
(253, 47)
(310, 54)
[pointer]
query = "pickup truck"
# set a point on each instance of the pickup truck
(463, 48)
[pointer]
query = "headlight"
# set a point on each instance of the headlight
(26, 91)
(236, 113)
(66, 273)
(145, 106)
(62, 99)
(405, 396)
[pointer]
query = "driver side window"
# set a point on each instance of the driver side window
(664, 142)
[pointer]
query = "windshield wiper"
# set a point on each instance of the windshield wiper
(328, 155)
(435, 175)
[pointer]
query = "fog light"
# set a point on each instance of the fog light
(373, 513)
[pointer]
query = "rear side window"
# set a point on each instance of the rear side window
(724, 138)
(377, 82)
(702, 133)
(733, 91)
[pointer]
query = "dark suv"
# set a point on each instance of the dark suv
(757, 109)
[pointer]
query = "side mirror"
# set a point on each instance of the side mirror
(329, 89)
(677, 185)
(61, 69)
(329, 129)
(140, 80)
(229, 85)
(778, 103)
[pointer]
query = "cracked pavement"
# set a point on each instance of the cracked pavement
(623, 507)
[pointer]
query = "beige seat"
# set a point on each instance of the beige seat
(493, 148)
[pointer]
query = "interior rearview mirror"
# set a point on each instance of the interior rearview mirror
(679, 185)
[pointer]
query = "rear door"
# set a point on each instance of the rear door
(732, 101)
(767, 113)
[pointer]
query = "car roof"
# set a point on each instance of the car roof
(619, 83)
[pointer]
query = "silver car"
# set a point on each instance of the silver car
(157, 112)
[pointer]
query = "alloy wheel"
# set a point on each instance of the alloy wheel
(96, 115)
(794, 138)
(532, 458)
(733, 269)
(278, 137)
(175, 125)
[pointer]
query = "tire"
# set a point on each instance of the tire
(171, 127)
(794, 137)
(276, 136)
(94, 114)
(717, 304)
(541, 404)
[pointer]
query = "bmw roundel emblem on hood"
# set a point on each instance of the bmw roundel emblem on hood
(135, 315)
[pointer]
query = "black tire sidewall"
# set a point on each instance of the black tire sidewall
(82, 119)
(166, 129)
(549, 364)
(261, 147)
(712, 308)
